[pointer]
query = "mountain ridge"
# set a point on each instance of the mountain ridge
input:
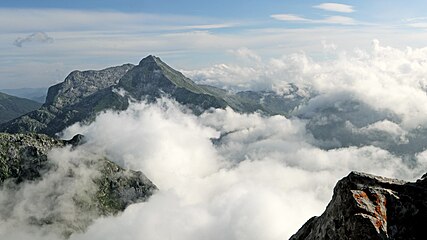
(84, 94)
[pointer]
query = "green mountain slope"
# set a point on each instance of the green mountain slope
(35, 94)
(12, 107)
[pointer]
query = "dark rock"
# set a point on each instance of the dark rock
(369, 207)
(77, 140)
(24, 156)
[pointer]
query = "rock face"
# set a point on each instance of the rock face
(84, 94)
(369, 207)
(88, 186)
(78, 98)
(12, 107)
(79, 85)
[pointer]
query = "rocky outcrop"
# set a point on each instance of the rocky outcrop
(89, 186)
(369, 207)
(80, 84)
(24, 157)
(79, 98)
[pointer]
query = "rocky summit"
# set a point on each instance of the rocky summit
(369, 207)
(70, 192)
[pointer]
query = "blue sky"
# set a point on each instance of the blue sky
(50, 38)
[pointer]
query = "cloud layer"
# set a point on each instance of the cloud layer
(339, 20)
(256, 182)
(221, 174)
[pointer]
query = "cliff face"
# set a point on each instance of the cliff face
(369, 207)
(80, 97)
(81, 84)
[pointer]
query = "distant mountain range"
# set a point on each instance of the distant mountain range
(12, 107)
(35, 94)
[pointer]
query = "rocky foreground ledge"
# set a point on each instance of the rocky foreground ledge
(369, 207)
(66, 196)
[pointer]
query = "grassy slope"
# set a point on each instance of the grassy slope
(12, 107)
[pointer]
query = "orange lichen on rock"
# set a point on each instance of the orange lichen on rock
(374, 205)
(360, 197)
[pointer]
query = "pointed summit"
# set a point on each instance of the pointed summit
(150, 59)
(153, 77)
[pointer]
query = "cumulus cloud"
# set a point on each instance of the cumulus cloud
(246, 54)
(382, 77)
(335, 7)
(37, 37)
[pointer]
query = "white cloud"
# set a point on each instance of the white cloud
(383, 77)
(262, 181)
(289, 17)
(262, 174)
(339, 20)
(335, 7)
(246, 54)
(209, 26)
(422, 25)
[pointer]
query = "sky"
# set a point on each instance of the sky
(42, 41)
(360, 67)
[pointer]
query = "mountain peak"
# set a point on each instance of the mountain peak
(149, 60)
